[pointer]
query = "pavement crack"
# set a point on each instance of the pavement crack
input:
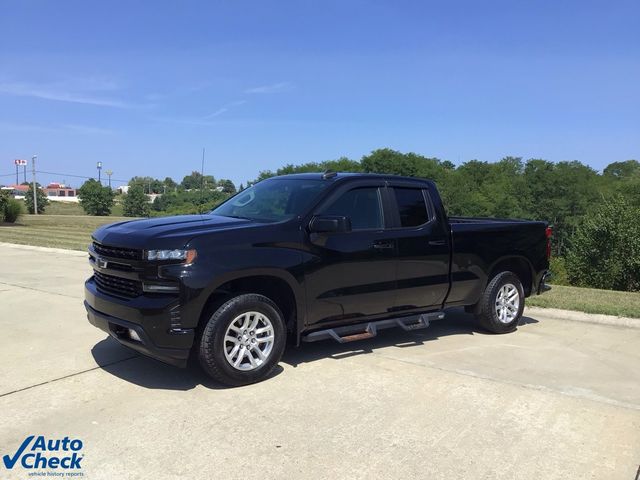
(40, 290)
(68, 376)
(540, 388)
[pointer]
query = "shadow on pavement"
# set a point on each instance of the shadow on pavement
(148, 373)
(456, 322)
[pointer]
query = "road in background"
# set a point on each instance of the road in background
(556, 399)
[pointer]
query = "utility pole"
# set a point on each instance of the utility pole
(17, 179)
(109, 173)
(35, 196)
(25, 172)
(99, 166)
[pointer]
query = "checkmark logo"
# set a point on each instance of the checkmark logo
(10, 462)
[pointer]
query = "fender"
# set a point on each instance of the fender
(519, 256)
(297, 289)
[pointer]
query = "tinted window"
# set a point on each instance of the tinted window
(362, 205)
(272, 200)
(413, 210)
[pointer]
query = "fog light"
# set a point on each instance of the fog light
(134, 335)
(154, 288)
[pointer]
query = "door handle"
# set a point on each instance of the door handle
(437, 243)
(382, 245)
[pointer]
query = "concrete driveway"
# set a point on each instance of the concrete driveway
(556, 399)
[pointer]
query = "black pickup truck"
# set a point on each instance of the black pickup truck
(303, 258)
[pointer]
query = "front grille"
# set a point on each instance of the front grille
(117, 285)
(117, 252)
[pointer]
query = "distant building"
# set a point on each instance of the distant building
(53, 191)
(59, 190)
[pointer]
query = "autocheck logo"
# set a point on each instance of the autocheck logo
(41, 453)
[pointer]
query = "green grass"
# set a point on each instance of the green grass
(589, 300)
(63, 208)
(72, 208)
(60, 231)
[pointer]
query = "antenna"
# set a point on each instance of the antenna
(328, 174)
(201, 208)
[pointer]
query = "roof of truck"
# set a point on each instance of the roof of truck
(343, 175)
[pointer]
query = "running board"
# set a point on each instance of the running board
(363, 331)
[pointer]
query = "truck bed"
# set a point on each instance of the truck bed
(479, 245)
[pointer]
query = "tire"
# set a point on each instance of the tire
(498, 311)
(246, 322)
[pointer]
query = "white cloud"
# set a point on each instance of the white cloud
(184, 121)
(273, 88)
(225, 108)
(87, 130)
(70, 128)
(58, 92)
(220, 111)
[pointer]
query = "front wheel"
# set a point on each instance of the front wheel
(243, 340)
(502, 303)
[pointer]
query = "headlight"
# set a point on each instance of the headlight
(187, 255)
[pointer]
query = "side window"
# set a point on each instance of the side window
(413, 210)
(362, 205)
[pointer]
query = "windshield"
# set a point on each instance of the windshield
(272, 200)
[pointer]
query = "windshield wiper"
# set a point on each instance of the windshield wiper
(237, 216)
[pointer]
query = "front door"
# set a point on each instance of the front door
(350, 276)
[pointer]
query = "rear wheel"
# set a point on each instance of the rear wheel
(502, 303)
(243, 340)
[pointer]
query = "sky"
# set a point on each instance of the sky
(144, 86)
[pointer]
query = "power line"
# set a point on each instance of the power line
(75, 176)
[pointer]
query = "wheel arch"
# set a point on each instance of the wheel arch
(519, 265)
(280, 287)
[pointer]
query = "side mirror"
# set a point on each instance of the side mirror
(330, 224)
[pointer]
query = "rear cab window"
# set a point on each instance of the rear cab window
(412, 208)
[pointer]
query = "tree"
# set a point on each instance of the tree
(605, 250)
(135, 203)
(227, 186)
(148, 184)
(169, 185)
(41, 198)
(95, 199)
(621, 170)
(196, 181)
(161, 202)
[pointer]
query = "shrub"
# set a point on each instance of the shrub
(183, 202)
(559, 270)
(4, 198)
(12, 210)
(605, 250)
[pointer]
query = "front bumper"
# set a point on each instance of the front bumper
(152, 320)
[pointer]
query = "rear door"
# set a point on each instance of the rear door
(351, 275)
(422, 246)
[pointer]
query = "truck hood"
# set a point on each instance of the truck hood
(164, 232)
